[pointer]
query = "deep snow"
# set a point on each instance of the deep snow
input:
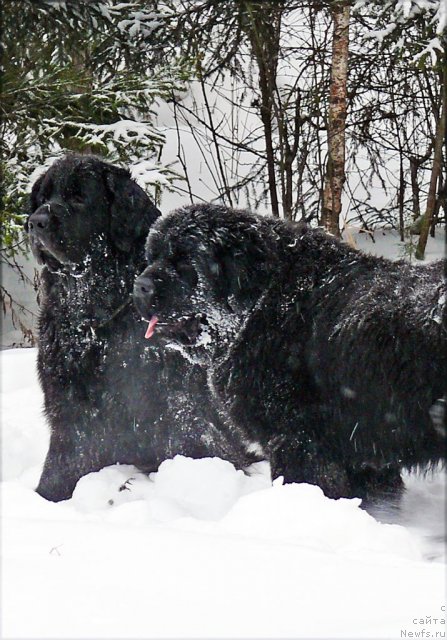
(200, 550)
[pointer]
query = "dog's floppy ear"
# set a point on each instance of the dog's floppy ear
(132, 213)
(32, 199)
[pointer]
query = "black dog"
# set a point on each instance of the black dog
(332, 360)
(110, 397)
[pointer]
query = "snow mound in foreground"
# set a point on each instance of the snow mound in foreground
(210, 494)
(205, 489)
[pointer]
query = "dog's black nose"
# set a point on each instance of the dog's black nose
(143, 292)
(38, 221)
(143, 288)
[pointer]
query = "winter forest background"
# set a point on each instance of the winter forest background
(331, 111)
(246, 103)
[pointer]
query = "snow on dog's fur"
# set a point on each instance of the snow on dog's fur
(333, 361)
(110, 397)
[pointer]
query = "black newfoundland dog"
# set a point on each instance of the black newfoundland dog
(333, 361)
(110, 396)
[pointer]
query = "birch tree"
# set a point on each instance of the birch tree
(276, 55)
(336, 125)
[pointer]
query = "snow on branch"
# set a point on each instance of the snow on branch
(124, 131)
(395, 14)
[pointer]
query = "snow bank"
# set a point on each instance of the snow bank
(25, 437)
(205, 489)
(197, 549)
(211, 489)
(386, 242)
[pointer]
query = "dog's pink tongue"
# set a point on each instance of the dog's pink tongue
(151, 327)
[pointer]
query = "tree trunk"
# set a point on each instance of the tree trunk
(266, 117)
(414, 166)
(401, 195)
(263, 26)
(440, 201)
(435, 173)
(335, 169)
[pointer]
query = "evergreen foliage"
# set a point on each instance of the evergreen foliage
(89, 76)
(78, 76)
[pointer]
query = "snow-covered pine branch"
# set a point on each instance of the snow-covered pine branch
(395, 19)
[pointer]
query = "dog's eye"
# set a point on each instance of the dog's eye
(187, 273)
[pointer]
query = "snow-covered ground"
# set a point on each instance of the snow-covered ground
(199, 550)
(386, 242)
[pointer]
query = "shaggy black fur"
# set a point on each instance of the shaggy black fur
(332, 360)
(110, 396)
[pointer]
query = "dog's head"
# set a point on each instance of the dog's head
(208, 266)
(82, 203)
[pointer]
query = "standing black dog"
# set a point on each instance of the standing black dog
(334, 361)
(110, 396)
